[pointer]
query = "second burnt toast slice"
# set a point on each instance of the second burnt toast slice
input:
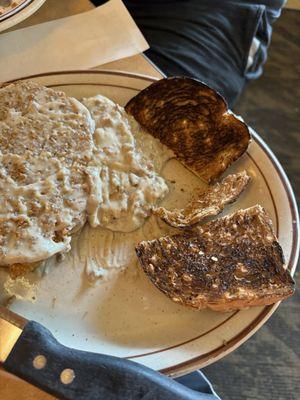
(227, 264)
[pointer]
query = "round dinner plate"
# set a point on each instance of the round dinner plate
(17, 14)
(127, 316)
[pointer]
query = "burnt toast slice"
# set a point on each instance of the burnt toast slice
(192, 120)
(206, 204)
(227, 264)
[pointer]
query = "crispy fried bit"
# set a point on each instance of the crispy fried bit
(18, 270)
(20, 288)
(193, 121)
(210, 202)
(231, 263)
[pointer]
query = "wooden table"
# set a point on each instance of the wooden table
(12, 388)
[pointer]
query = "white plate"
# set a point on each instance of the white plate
(19, 13)
(127, 316)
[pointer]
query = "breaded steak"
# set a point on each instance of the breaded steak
(45, 144)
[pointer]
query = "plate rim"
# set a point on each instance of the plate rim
(267, 311)
(15, 10)
(20, 13)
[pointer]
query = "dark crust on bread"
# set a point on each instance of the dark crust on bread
(231, 263)
(207, 204)
(193, 121)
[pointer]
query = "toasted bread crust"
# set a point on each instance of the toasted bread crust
(208, 203)
(231, 263)
(193, 121)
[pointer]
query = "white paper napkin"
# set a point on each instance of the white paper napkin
(82, 41)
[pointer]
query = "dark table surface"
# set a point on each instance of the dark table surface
(268, 365)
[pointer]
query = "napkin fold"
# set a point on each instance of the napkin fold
(82, 41)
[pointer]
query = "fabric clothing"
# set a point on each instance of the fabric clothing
(207, 39)
(198, 381)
